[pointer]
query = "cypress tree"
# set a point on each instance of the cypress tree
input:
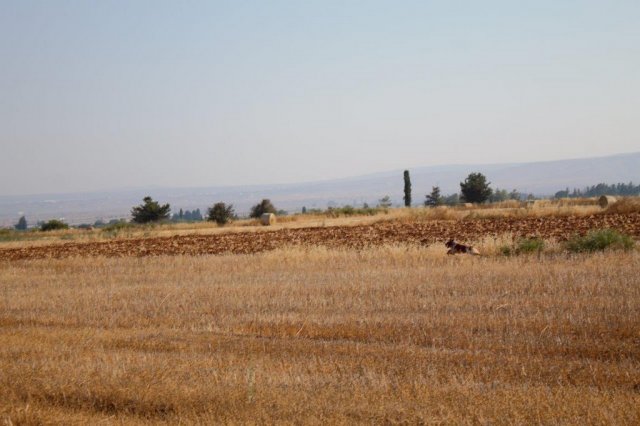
(407, 189)
(22, 224)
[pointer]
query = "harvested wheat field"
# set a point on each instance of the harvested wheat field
(315, 335)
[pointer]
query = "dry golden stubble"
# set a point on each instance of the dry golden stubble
(313, 335)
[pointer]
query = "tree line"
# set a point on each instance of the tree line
(620, 189)
(151, 211)
(221, 213)
(474, 189)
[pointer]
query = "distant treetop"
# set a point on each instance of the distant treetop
(150, 211)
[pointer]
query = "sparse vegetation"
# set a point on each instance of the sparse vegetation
(351, 211)
(530, 245)
(625, 206)
(8, 234)
(117, 226)
(523, 246)
(600, 240)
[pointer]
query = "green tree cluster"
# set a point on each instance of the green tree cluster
(187, 216)
(619, 189)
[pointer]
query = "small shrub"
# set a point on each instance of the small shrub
(530, 245)
(506, 250)
(600, 240)
(116, 227)
(8, 234)
(348, 210)
(352, 211)
(523, 246)
(53, 225)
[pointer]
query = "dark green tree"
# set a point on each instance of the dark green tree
(180, 215)
(220, 213)
(54, 224)
(150, 211)
(265, 206)
(22, 224)
(434, 199)
(196, 215)
(475, 188)
(407, 189)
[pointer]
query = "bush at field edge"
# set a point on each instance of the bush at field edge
(600, 240)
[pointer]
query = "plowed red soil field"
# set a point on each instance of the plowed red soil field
(384, 232)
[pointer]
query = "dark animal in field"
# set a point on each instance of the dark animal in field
(455, 248)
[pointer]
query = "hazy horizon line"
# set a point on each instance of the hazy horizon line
(304, 182)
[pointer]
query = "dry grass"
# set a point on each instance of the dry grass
(625, 206)
(388, 335)
(545, 209)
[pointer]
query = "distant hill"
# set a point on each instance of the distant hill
(539, 178)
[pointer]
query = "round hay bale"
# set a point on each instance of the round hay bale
(606, 200)
(268, 219)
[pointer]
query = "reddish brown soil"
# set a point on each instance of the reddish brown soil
(385, 232)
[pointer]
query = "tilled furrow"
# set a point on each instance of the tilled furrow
(352, 237)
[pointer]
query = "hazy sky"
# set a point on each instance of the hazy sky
(108, 94)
